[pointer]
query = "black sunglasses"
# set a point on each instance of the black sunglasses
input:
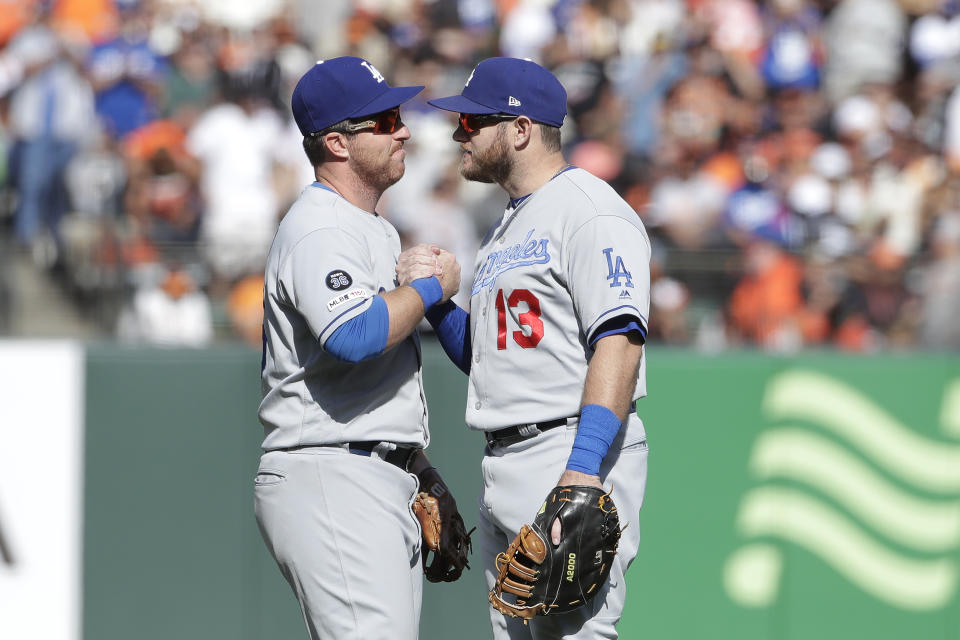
(473, 122)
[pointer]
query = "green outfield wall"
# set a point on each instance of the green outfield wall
(807, 497)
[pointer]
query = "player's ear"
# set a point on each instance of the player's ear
(336, 145)
(522, 129)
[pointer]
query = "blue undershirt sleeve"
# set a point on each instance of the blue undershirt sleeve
(452, 326)
(362, 337)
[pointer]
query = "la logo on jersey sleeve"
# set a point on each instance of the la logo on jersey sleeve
(617, 271)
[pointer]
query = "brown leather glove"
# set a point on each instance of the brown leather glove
(444, 533)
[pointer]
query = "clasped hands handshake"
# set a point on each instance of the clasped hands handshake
(425, 260)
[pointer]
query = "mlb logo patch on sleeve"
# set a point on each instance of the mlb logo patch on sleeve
(345, 297)
(338, 279)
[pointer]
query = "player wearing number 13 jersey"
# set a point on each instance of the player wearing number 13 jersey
(548, 276)
(560, 264)
(553, 342)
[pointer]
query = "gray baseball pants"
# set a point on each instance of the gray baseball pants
(516, 479)
(341, 529)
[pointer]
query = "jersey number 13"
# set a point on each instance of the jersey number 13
(529, 319)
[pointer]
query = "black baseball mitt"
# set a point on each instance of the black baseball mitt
(444, 533)
(544, 579)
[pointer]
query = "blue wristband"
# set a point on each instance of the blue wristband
(595, 433)
(430, 290)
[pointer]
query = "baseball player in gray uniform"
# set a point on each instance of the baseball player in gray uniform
(553, 342)
(343, 407)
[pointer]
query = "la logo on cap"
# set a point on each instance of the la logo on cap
(369, 67)
(340, 88)
(373, 71)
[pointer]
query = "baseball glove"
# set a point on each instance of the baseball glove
(546, 579)
(444, 533)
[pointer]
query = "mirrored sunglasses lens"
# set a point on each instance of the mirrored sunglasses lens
(468, 122)
(388, 121)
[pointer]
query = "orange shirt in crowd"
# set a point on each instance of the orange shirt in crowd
(767, 301)
(146, 141)
(95, 19)
(14, 15)
(245, 307)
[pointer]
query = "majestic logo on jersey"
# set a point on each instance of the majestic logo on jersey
(529, 251)
(373, 71)
(338, 280)
(616, 270)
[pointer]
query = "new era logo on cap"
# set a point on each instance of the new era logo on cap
(513, 86)
(341, 88)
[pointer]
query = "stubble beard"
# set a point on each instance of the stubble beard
(373, 172)
(492, 165)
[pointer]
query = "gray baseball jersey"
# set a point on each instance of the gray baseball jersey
(328, 259)
(569, 257)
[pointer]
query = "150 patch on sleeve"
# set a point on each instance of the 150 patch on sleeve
(353, 294)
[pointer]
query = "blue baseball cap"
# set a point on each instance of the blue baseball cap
(340, 88)
(510, 85)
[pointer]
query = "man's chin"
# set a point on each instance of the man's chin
(381, 177)
(473, 175)
(394, 177)
(393, 172)
(483, 179)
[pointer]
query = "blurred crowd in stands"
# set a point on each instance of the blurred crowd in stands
(796, 162)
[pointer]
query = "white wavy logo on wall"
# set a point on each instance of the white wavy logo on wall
(894, 543)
